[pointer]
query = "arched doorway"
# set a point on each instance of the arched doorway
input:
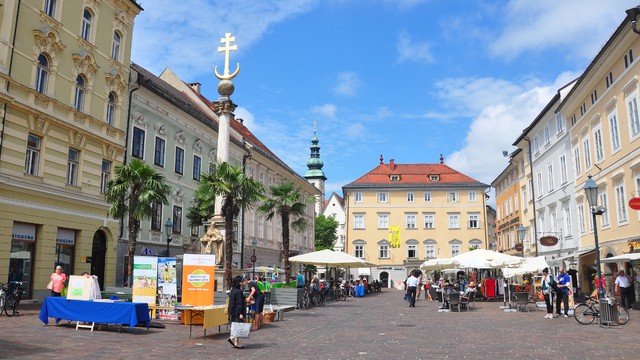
(384, 279)
(98, 254)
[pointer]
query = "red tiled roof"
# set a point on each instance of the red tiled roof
(414, 174)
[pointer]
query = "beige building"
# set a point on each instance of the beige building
(64, 69)
(399, 215)
(604, 122)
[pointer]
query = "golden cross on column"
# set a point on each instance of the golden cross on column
(227, 40)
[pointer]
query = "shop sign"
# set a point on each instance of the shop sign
(519, 247)
(23, 232)
(66, 237)
(634, 203)
(548, 241)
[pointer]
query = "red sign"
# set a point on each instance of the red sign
(254, 258)
(249, 266)
(519, 247)
(634, 203)
(548, 240)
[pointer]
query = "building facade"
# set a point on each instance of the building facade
(64, 68)
(334, 207)
(508, 207)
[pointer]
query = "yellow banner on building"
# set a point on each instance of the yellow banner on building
(394, 236)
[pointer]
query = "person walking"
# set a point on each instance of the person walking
(546, 284)
(256, 294)
(412, 284)
(562, 295)
(623, 286)
(299, 280)
(58, 279)
(237, 307)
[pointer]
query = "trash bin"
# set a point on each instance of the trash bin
(608, 313)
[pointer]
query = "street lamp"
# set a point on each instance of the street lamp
(522, 231)
(168, 228)
(254, 244)
(493, 246)
(591, 190)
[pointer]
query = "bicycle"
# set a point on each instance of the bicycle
(12, 299)
(305, 300)
(585, 313)
(341, 294)
(3, 297)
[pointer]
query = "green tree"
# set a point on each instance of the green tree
(132, 192)
(325, 229)
(238, 192)
(288, 202)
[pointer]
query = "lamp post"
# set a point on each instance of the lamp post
(493, 246)
(254, 245)
(168, 227)
(591, 190)
(522, 231)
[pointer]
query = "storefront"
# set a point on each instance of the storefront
(23, 240)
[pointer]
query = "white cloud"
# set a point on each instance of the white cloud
(326, 110)
(348, 83)
(404, 4)
(471, 95)
(247, 119)
(354, 131)
(582, 25)
(412, 51)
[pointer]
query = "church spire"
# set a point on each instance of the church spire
(315, 164)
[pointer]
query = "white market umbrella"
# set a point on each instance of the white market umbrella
(484, 259)
(440, 264)
(529, 265)
(330, 258)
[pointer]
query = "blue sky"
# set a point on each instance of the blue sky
(408, 79)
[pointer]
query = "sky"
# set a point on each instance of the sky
(405, 79)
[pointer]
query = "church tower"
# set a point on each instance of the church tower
(315, 175)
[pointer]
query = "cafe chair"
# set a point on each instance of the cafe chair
(522, 300)
(454, 301)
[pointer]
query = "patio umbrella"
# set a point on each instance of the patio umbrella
(330, 258)
(440, 264)
(529, 265)
(484, 259)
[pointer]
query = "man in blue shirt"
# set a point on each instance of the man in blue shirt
(299, 280)
(562, 296)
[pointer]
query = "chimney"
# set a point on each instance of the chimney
(196, 86)
(392, 164)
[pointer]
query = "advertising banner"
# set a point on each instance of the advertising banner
(145, 279)
(167, 287)
(198, 274)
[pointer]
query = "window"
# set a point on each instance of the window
(581, 223)
(179, 165)
(594, 96)
(427, 196)
(197, 167)
(434, 177)
(106, 176)
(358, 221)
(586, 147)
(559, 124)
(382, 197)
(42, 74)
(395, 177)
(85, 32)
(539, 180)
(452, 196)
(412, 251)
(195, 231)
(603, 201)
(78, 100)
(473, 196)
(609, 79)
(261, 226)
(454, 221)
(72, 166)
(410, 197)
(474, 220)
(410, 221)
(573, 119)
(430, 221)
(115, 47)
(357, 197)
(156, 216)
(597, 141)
(50, 8)
(576, 161)
(111, 108)
(32, 156)
(158, 155)
(536, 146)
(583, 109)
(550, 177)
(621, 203)
(632, 108)
(563, 169)
(525, 198)
(383, 221)
(615, 133)
(358, 249)
(628, 58)
(430, 249)
(455, 249)
(567, 221)
(383, 250)
(547, 135)
(137, 150)
(177, 220)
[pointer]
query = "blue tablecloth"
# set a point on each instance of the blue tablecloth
(95, 311)
(359, 290)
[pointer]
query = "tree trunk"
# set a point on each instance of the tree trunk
(228, 242)
(134, 225)
(285, 246)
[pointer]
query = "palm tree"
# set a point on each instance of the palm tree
(288, 202)
(132, 192)
(239, 192)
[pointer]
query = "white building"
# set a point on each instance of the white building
(334, 208)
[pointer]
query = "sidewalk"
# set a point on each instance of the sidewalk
(378, 326)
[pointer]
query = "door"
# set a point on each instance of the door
(98, 254)
(384, 279)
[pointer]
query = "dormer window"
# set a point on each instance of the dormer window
(434, 177)
(394, 177)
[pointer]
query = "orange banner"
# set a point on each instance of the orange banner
(198, 275)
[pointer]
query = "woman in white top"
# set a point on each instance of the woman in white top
(546, 291)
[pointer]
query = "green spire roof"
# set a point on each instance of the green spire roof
(315, 164)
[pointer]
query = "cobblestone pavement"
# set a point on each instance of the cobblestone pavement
(378, 326)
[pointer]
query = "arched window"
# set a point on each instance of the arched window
(111, 108)
(412, 248)
(42, 74)
(383, 249)
(85, 32)
(475, 244)
(115, 48)
(358, 248)
(78, 101)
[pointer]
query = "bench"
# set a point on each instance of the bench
(279, 310)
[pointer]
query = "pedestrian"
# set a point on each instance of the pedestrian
(299, 280)
(412, 284)
(562, 295)
(419, 288)
(256, 295)
(427, 287)
(623, 286)
(546, 284)
(58, 279)
(601, 282)
(236, 307)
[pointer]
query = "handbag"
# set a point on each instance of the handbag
(540, 296)
(240, 330)
(50, 285)
(406, 296)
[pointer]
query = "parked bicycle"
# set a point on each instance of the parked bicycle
(341, 294)
(3, 297)
(12, 298)
(585, 313)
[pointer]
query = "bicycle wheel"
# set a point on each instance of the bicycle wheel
(2, 301)
(301, 304)
(10, 305)
(623, 315)
(584, 314)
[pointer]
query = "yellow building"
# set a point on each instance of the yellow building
(604, 120)
(64, 73)
(399, 215)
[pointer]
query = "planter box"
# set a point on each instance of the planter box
(286, 296)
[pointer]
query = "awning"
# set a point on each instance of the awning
(558, 260)
(621, 258)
